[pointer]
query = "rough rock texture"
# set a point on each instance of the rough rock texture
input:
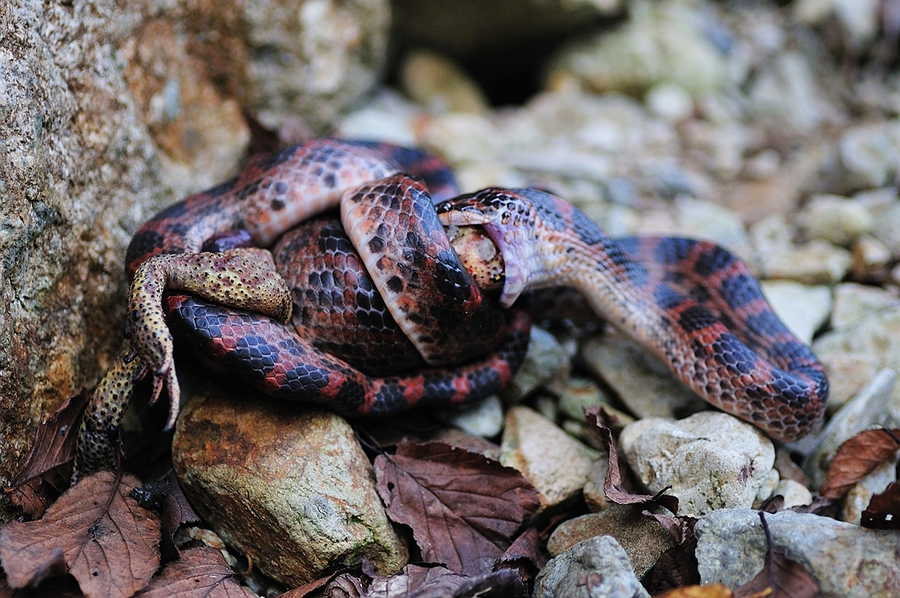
(557, 464)
(642, 538)
(846, 560)
(111, 110)
(709, 460)
(595, 568)
(286, 484)
(75, 165)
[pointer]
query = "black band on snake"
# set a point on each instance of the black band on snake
(375, 313)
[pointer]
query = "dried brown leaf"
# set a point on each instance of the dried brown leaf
(858, 456)
(60, 587)
(463, 508)
(439, 582)
(613, 485)
(48, 466)
(200, 573)
(677, 567)
(524, 556)
(883, 511)
(343, 584)
(780, 577)
(109, 543)
(165, 495)
(715, 590)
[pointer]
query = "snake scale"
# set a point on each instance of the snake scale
(374, 313)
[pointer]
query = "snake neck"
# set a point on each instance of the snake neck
(609, 282)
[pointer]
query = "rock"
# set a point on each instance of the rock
(108, 112)
(858, 497)
(201, 134)
(484, 418)
(875, 405)
(463, 27)
(313, 58)
(435, 82)
(887, 227)
(387, 117)
(669, 102)
(815, 262)
(580, 393)
(876, 337)
(642, 537)
(660, 42)
(557, 464)
(803, 308)
(546, 360)
(643, 384)
(594, 495)
(836, 219)
(78, 170)
(711, 460)
(286, 484)
(596, 568)
(846, 560)
(871, 153)
(848, 373)
(787, 90)
(794, 493)
(854, 302)
(871, 258)
(859, 19)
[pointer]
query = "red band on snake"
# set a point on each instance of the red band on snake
(691, 303)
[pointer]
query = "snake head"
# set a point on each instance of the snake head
(506, 218)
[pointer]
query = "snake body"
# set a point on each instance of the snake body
(692, 303)
(386, 316)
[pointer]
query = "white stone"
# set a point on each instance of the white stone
(557, 464)
(834, 218)
(670, 102)
(484, 418)
(854, 302)
(794, 493)
(803, 308)
(875, 405)
(711, 460)
(814, 262)
(858, 497)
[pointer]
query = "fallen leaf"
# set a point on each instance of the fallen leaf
(201, 572)
(60, 587)
(613, 485)
(856, 457)
(418, 581)
(681, 527)
(48, 466)
(463, 508)
(165, 495)
(883, 511)
(108, 542)
(715, 590)
(780, 577)
(524, 556)
(787, 469)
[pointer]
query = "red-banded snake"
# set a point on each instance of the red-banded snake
(394, 319)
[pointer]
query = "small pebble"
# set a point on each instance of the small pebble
(836, 219)
(875, 405)
(595, 568)
(709, 460)
(858, 497)
(803, 308)
(557, 464)
(642, 537)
